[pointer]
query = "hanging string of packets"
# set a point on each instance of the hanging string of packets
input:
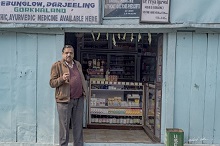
(119, 37)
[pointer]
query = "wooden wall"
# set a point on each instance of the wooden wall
(197, 87)
(27, 107)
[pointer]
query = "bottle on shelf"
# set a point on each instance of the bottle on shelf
(96, 119)
(117, 120)
(121, 120)
(131, 120)
(107, 120)
(127, 120)
(99, 119)
(114, 120)
(124, 120)
(92, 119)
(94, 63)
(98, 63)
(107, 74)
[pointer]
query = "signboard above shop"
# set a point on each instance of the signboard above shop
(122, 8)
(50, 11)
(155, 11)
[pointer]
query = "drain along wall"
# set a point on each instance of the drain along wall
(197, 84)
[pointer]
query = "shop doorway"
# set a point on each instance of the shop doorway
(130, 62)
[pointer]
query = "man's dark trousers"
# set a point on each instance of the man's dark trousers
(72, 109)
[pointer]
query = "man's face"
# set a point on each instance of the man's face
(68, 55)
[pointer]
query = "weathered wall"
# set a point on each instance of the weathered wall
(184, 14)
(197, 84)
(27, 107)
(194, 11)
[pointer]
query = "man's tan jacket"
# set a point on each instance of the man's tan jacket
(62, 92)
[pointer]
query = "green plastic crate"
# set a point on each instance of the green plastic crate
(174, 137)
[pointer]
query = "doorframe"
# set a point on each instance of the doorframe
(168, 83)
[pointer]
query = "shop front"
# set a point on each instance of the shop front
(144, 75)
(122, 85)
(124, 75)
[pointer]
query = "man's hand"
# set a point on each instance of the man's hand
(66, 77)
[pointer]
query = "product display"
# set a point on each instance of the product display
(94, 65)
(148, 69)
(150, 107)
(123, 66)
(123, 70)
(129, 121)
(116, 103)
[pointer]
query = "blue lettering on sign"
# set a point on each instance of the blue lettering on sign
(3, 17)
(47, 18)
(71, 18)
(20, 3)
(22, 17)
(71, 5)
(48, 4)
(91, 18)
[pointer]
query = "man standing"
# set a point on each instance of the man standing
(67, 77)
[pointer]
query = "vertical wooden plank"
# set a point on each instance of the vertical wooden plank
(210, 90)
(45, 100)
(216, 138)
(170, 74)
(26, 87)
(13, 43)
(163, 106)
(182, 82)
(7, 88)
(46, 118)
(59, 46)
(7, 47)
(197, 96)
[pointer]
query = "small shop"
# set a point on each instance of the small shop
(122, 66)
(148, 70)
(124, 75)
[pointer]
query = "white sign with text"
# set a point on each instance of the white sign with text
(52, 11)
(155, 11)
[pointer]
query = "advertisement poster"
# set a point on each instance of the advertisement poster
(122, 8)
(155, 11)
(52, 11)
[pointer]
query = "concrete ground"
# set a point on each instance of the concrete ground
(113, 136)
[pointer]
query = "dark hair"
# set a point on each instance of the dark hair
(67, 46)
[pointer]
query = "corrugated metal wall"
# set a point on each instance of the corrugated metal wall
(27, 107)
(197, 87)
